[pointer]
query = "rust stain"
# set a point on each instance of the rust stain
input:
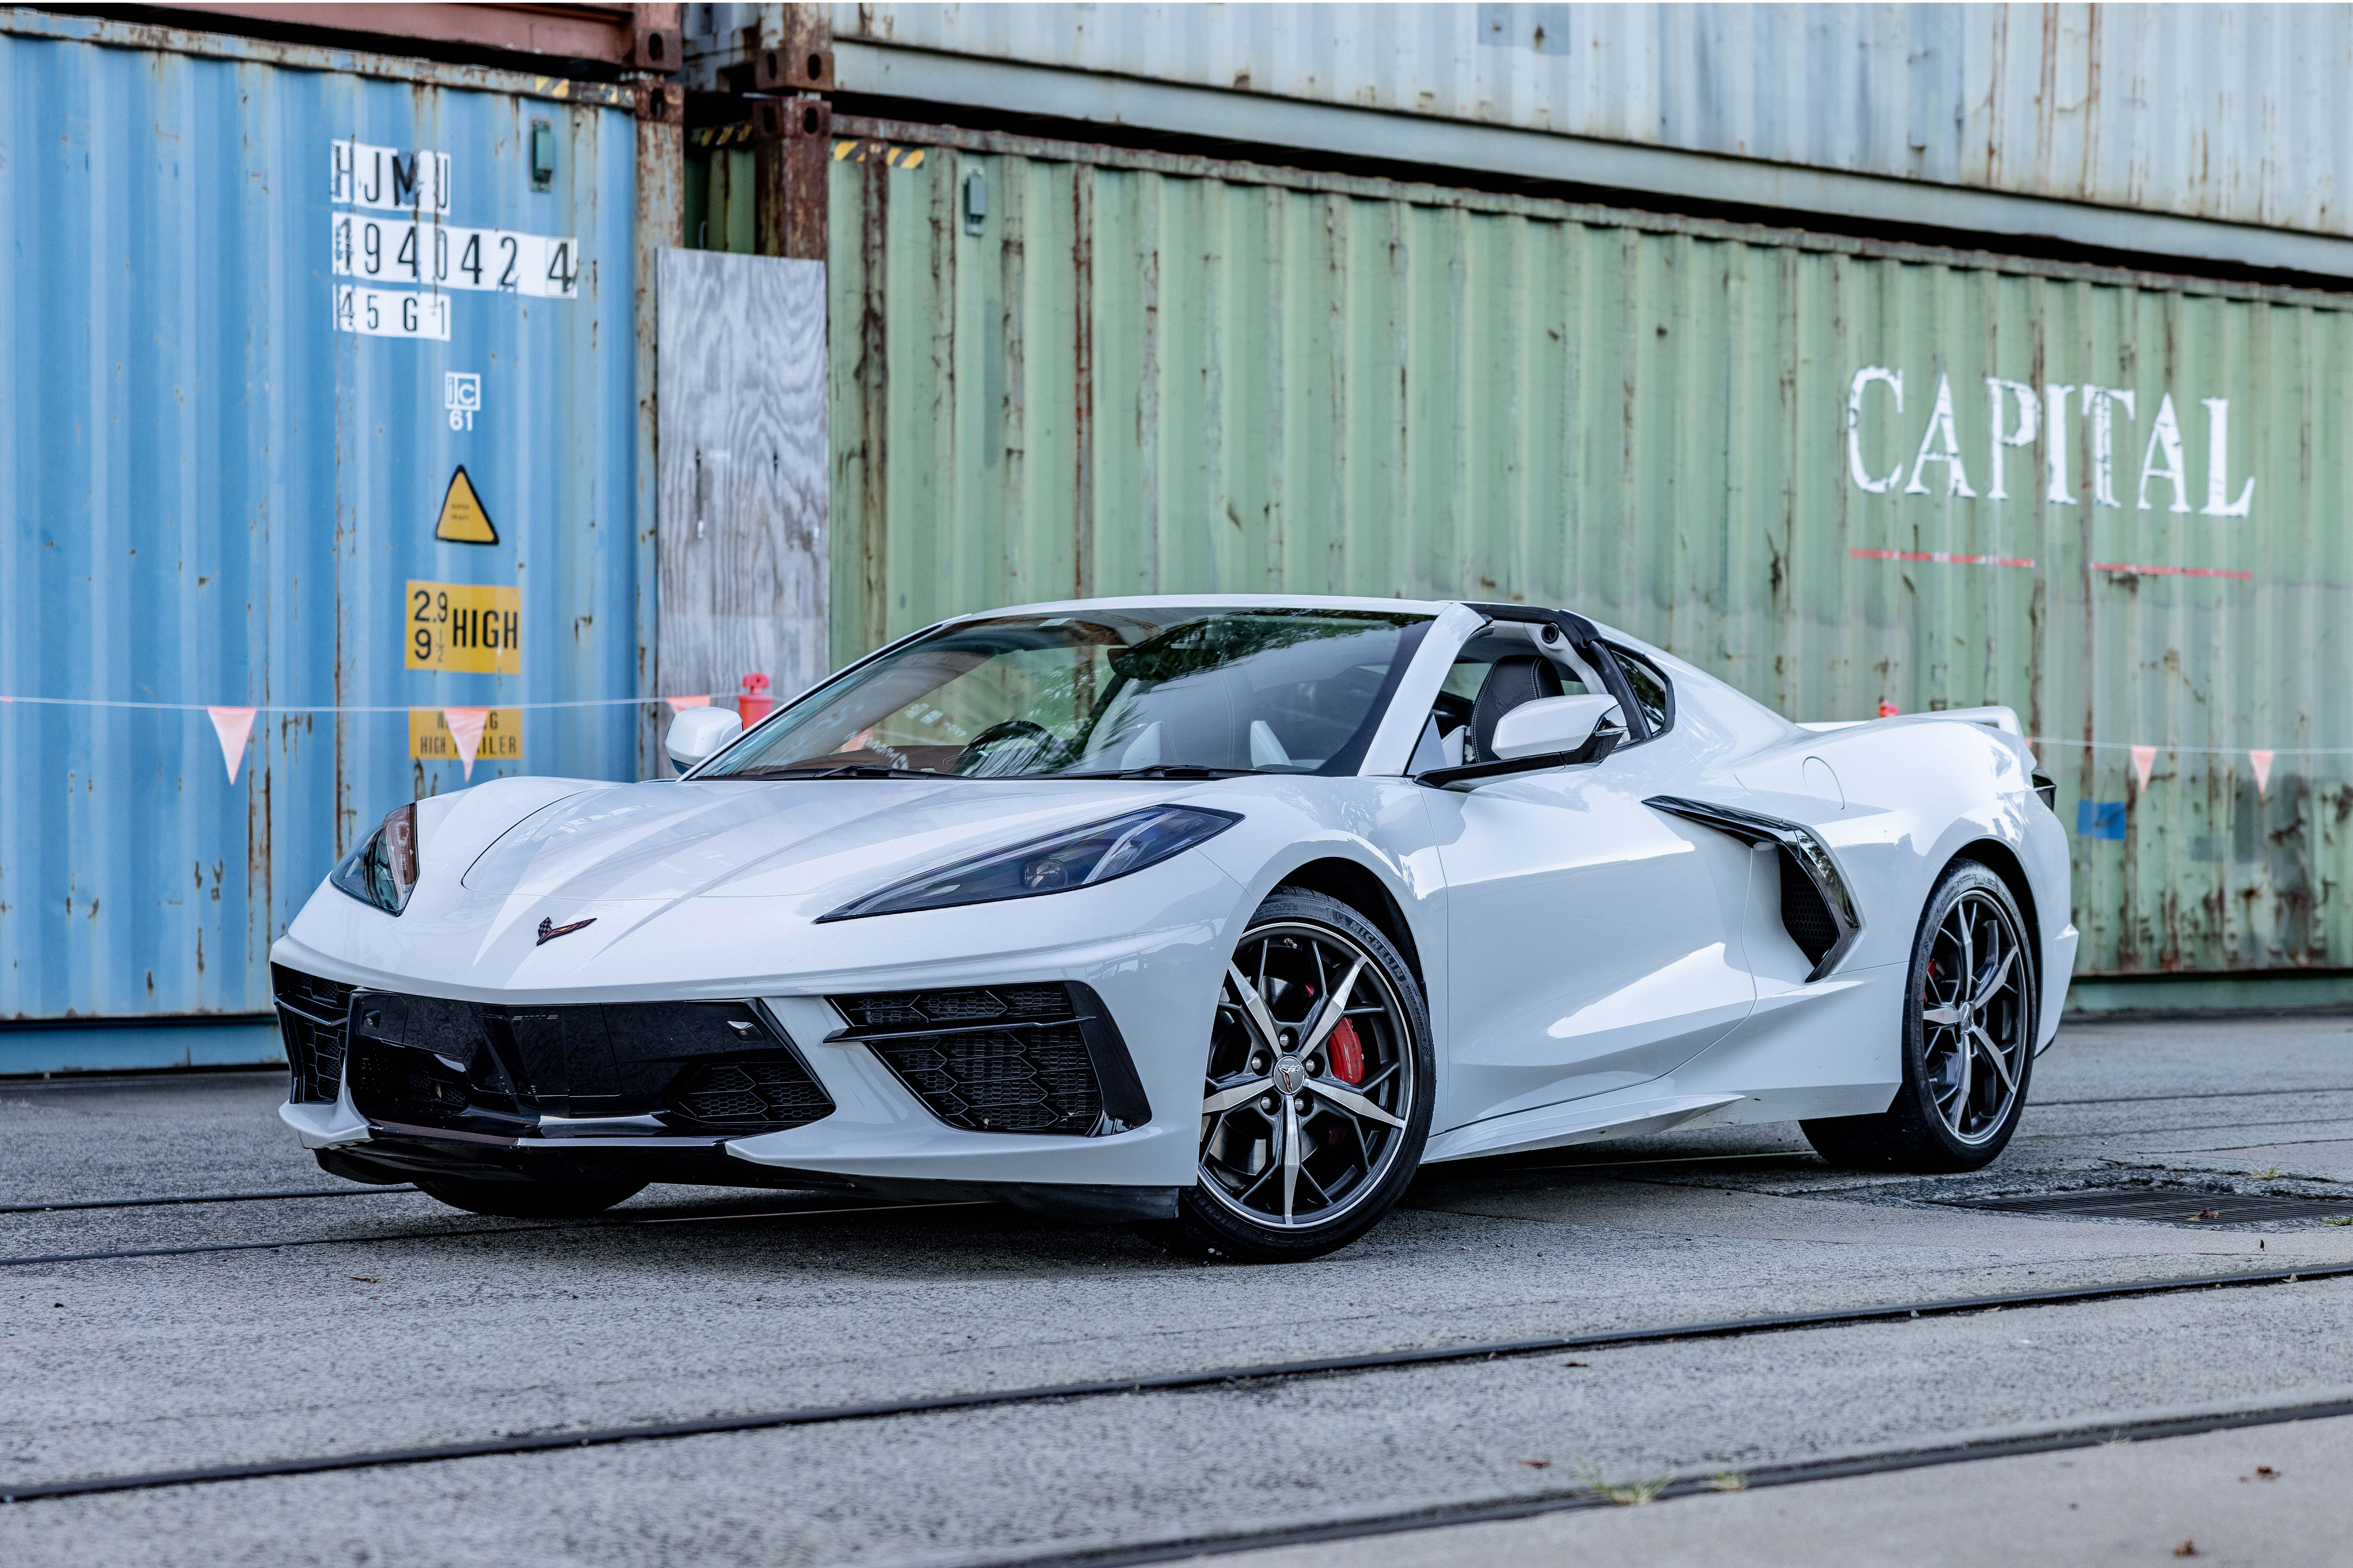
(1082, 401)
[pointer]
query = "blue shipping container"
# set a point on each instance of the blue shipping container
(255, 318)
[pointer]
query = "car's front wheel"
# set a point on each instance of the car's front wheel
(1969, 1038)
(528, 1199)
(1317, 1100)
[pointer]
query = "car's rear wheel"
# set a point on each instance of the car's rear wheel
(1317, 1100)
(1969, 1038)
(529, 1199)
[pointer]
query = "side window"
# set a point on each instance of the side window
(1651, 692)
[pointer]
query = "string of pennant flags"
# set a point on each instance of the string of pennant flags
(233, 726)
(2144, 757)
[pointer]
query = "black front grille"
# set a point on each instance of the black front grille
(1032, 1080)
(1803, 913)
(1003, 1058)
(494, 1070)
(312, 1016)
(392, 1084)
(776, 1092)
(905, 1010)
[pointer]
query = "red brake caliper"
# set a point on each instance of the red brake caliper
(1347, 1053)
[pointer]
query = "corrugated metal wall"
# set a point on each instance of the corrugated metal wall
(1150, 373)
(2215, 111)
(213, 496)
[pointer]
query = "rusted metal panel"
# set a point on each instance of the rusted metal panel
(1155, 373)
(2226, 112)
(214, 493)
(791, 137)
(660, 189)
(638, 38)
(29, 23)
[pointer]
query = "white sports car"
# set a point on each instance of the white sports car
(1223, 914)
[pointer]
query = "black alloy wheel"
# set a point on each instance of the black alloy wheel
(1315, 1102)
(531, 1198)
(1970, 1016)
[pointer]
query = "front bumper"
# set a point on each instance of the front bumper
(885, 1131)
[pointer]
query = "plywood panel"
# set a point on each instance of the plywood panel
(740, 425)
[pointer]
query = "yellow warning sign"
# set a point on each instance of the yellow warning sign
(464, 519)
(471, 627)
(429, 740)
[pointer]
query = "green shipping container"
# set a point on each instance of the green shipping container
(1835, 472)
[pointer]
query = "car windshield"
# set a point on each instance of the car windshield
(1099, 692)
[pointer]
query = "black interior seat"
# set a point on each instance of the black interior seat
(1511, 680)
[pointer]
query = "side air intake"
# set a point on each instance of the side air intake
(1818, 909)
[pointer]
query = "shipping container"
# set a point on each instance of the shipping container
(2223, 112)
(1835, 472)
(321, 401)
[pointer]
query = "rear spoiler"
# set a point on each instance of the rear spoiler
(2002, 718)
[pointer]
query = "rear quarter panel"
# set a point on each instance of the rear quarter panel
(1898, 801)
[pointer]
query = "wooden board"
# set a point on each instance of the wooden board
(740, 435)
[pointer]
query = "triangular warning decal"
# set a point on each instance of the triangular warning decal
(463, 519)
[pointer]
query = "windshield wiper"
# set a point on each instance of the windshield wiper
(845, 771)
(1161, 771)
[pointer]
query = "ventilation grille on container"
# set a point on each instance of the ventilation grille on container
(1806, 918)
(312, 1016)
(765, 1093)
(997, 1058)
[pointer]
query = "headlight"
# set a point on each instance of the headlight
(1078, 858)
(383, 870)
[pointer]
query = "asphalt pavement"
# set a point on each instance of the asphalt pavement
(317, 1328)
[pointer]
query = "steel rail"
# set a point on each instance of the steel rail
(1157, 1382)
(1913, 1457)
(519, 1229)
(203, 1198)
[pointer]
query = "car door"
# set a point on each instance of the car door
(1594, 942)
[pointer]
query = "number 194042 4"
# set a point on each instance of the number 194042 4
(406, 250)
(466, 626)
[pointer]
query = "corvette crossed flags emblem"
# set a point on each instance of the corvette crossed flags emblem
(549, 930)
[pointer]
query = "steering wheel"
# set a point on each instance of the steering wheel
(977, 749)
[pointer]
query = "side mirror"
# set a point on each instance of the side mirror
(1550, 725)
(699, 733)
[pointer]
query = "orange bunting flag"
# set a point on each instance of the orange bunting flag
(2143, 759)
(680, 704)
(466, 733)
(2262, 761)
(233, 725)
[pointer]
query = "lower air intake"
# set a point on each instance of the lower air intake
(754, 1093)
(312, 1016)
(1004, 1058)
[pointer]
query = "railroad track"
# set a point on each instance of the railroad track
(1252, 1375)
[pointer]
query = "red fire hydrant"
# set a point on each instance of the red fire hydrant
(754, 702)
